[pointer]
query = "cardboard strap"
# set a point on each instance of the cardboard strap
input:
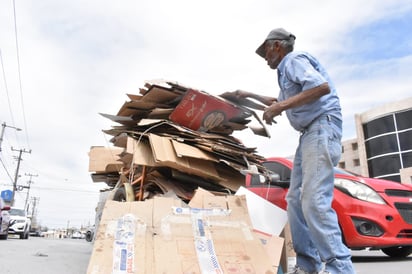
(123, 247)
(205, 249)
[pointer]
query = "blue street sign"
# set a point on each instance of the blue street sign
(6, 195)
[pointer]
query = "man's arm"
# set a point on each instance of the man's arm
(300, 99)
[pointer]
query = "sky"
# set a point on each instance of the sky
(64, 62)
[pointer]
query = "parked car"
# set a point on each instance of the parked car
(373, 213)
(77, 235)
(19, 223)
(4, 219)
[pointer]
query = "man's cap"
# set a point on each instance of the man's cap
(275, 34)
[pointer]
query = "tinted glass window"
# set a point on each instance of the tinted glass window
(407, 159)
(384, 165)
(379, 126)
(404, 120)
(405, 140)
(381, 145)
(395, 178)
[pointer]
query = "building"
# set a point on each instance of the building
(383, 147)
(350, 156)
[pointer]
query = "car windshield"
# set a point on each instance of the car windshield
(17, 212)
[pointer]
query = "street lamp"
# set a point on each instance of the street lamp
(3, 129)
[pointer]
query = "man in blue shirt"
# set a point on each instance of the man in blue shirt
(309, 99)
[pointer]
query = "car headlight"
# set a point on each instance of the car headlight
(359, 191)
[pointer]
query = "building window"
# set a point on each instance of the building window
(405, 140)
(354, 146)
(404, 120)
(407, 159)
(379, 126)
(388, 164)
(394, 178)
(342, 165)
(381, 145)
(388, 144)
(356, 162)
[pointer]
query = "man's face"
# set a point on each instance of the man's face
(272, 56)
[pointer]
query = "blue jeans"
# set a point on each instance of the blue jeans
(314, 225)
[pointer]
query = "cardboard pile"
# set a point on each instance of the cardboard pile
(162, 235)
(175, 138)
(176, 141)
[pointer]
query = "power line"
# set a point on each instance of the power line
(19, 73)
(5, 168)
(65, 189)
(7, 91)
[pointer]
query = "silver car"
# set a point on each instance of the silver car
(19, 223)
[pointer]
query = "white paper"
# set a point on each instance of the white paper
(265, 216)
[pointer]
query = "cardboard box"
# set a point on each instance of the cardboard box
(162, 236)
(272, 245)
(288, 260)
(201, 111)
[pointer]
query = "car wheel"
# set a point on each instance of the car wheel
(398, 251)
(89, 236)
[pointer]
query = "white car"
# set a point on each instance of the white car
(19, 223)
(4, 219)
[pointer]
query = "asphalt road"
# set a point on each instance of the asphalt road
(71, 256)
(44, 256)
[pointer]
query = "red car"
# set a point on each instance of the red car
(372, 213)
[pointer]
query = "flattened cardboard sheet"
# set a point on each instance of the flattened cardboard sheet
(104, 159)
(141, 151)
(184, 150)
(164, 154)
(160, 94)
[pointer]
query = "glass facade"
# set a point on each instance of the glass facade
(388, 143)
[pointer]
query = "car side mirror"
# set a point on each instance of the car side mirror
(270, 178)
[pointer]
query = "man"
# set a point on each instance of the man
(309, 99)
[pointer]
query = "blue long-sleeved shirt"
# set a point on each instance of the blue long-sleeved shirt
(300, 71)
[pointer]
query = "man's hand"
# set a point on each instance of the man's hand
(271, 112)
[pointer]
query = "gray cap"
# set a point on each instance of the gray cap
(275, 34)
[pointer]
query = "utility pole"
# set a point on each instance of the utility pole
(34, 202)
(16, 175)
(32, 211)
(3, 128)
(28, 188)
